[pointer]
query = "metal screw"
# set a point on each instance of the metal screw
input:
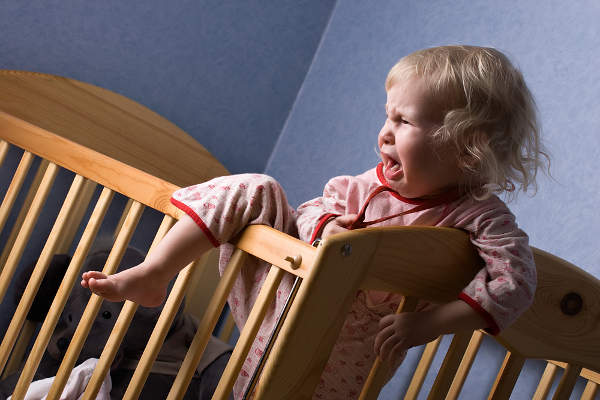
(346, 250)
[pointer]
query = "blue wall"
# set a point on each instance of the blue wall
(218, 69)
(333, 126)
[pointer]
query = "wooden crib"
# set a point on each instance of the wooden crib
(108, 140)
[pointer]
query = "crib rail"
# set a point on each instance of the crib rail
(118, 176)
(142, 189)
(364, 260)
(560, 326)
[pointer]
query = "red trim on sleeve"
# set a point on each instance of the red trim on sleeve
(183, 207)
(322, 221)
(492, 328)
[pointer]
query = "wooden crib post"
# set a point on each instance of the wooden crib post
(80, 208)
(507, 377)
(25, 232)
(251, 327)
(15, 187)
(422, 369)
(159, 333)
(315, 317)
(545, 383)
(38, 273)
(25, 205)
(567, 382)
(450, 365)
(20, 348)
(465, 365)
(122, 324)
(89, 314)
(589, 393)
(4, 146)
(29, 327)
(206, 325)
(378, 374)
(58, 304)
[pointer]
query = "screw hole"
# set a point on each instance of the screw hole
(571, 304)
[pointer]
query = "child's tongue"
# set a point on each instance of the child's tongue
(392, 170)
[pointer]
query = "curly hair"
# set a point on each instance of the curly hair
(488, 115)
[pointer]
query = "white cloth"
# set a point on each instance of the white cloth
(76, 384)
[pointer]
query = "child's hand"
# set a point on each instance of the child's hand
(400, 332)
(337, 225)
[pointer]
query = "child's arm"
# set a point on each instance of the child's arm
(399, 332)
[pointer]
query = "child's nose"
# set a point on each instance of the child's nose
(386, 136)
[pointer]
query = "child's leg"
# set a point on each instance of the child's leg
(146, 283)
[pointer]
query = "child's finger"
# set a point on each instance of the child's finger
(381, 337)
(387, 346)
(387, 320)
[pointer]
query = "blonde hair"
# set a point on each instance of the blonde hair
(488, 115)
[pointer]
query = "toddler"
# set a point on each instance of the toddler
(460, 128)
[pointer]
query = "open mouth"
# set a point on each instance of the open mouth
(393, 169)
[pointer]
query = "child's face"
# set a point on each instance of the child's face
(413, 165)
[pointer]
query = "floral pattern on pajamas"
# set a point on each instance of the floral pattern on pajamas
(222, 207)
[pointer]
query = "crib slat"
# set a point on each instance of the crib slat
(25, 232)
(507, 377)
(465, 365)
(248, 333)
(15, 187)
(545, 384)
(35, 184)
(89, 314)
(378, 373)
(422, 369)
(68, 281)
(81, 206)
(227, 329)
(449, 366)
(122, 324)
(36, 280)
(567, 382)
(206, 325)
(4, 146)
(123, 216)
(20, 348)
(589, 393)
(158, 334)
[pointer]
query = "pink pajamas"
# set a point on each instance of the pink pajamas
(500, 292)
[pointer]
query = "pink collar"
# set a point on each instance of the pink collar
(421, 204)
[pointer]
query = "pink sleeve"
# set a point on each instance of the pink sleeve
(314, 214)
(223, 206)
(505, 287)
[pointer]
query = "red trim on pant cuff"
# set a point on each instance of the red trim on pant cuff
(492, 328)
(183, 207)
(322, 221)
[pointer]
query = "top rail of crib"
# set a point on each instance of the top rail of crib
(105, 122)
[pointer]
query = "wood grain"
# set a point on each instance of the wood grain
(108, 123)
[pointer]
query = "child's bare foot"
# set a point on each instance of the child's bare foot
(137, 284)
